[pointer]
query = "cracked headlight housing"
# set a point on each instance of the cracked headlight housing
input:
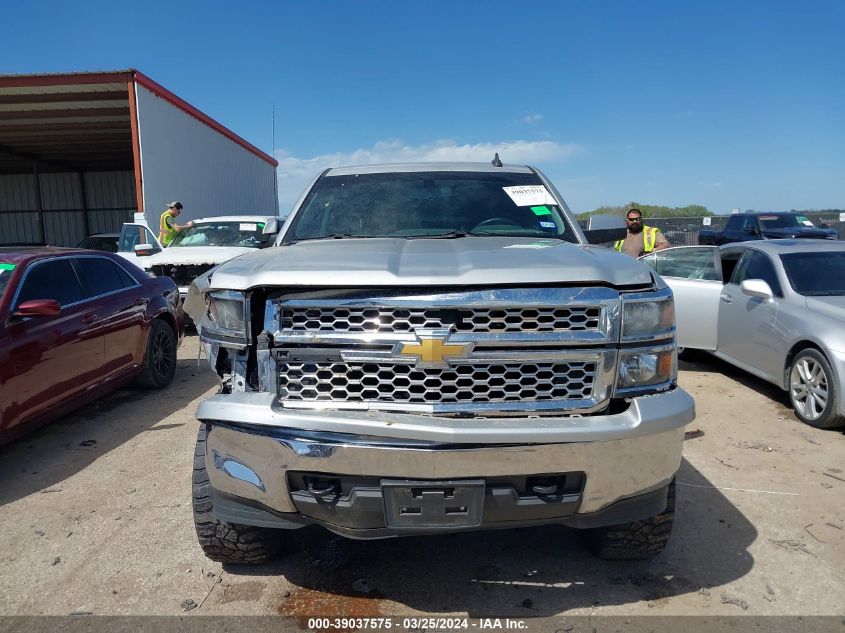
(226, 319)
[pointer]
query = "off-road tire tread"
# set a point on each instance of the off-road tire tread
(220, 541)
(637, 540)
(147, 378)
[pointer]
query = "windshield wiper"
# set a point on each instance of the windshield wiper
(330, 236)
(438, 236)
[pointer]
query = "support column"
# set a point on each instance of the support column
(85, 221)
(39, 203)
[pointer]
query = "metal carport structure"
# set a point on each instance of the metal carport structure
(80, 153)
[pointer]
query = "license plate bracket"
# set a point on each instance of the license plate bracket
(433, 504)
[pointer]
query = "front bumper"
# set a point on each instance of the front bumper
(255, 452)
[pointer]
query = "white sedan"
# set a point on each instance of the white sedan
(774, 308)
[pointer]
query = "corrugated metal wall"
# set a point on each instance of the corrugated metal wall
(185, 159)
(110, 198)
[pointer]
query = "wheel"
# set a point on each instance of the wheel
(220, 541)
(637, 540)
(813, 390)
(159, 365)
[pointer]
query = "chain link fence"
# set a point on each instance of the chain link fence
(684, 231)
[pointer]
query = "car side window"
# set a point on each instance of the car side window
(149, 238)
(687, 263)
(100, 275)
(52, 279)
(750, 223)
(756, 265)
(733, 223)
(131, 237)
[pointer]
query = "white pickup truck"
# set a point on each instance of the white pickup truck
(207, 243)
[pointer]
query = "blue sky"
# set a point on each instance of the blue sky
(726, 104)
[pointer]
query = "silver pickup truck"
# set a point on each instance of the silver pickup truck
(434, 348)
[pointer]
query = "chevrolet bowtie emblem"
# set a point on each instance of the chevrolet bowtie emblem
(432, 350)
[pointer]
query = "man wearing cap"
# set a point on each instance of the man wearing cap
(167, 227)
(641, 239)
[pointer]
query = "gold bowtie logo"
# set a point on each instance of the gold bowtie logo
(433, 350)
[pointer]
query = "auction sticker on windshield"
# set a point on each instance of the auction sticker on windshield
(529, 195)
(248, 227)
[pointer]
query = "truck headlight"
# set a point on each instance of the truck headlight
(225, 319)
(648, 318)
(641, 368)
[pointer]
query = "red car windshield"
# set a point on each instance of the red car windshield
(6, 271)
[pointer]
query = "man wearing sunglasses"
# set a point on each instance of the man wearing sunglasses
(641, 239)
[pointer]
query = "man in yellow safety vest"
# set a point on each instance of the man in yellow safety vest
(167, 227)
(641, 239)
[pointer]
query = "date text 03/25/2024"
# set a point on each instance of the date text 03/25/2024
(415, 624)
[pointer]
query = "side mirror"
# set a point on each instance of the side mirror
(145, 250)
(757, 288)
(605, 228)
(271, 227)
(38, 307)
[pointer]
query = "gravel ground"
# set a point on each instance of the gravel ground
(95, 517)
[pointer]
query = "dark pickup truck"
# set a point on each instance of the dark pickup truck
(765, 226)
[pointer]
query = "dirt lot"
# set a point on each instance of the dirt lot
(95, 517)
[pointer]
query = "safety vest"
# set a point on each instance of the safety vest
(649, 240)
(165, 233)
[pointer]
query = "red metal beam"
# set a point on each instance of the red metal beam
(136, 147)
(165, 94)
(68, 79)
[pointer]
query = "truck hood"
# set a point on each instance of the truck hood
(193, 255)
(799, 232)
(467, 261)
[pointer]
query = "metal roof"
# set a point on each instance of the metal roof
(421, 167)
(79, 121)
(69, 121)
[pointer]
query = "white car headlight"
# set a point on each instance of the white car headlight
(640, 368)
(648, 319)
(226, 317)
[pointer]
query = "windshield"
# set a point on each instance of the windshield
(429, 204)
(815, 273)
(784, 221)
(246, 234)
(6, 271)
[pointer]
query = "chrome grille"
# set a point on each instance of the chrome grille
(470, 320)
(461, 383)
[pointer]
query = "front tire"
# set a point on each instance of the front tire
(159, 365)
(813, 390)
(220, 541)
(637, 540)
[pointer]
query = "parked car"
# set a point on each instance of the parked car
(137, 240)
(437, 348)
(773, 308)
(100, 242)
(743, 227)
(74, 325)
(209, 242)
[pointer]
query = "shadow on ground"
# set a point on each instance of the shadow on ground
(695, 360)
(520, 572)
(47, 456)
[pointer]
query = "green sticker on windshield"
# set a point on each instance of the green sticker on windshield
(7, 266)
(541, 210)
(260, 225)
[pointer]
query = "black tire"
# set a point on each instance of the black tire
(220, 541)
(160, 357)
(805, 403)
(637, 540)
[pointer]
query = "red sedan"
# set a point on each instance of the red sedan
(76, 324)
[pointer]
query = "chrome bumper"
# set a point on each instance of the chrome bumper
(622, 455)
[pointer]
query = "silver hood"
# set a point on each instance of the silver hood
(468, 261)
